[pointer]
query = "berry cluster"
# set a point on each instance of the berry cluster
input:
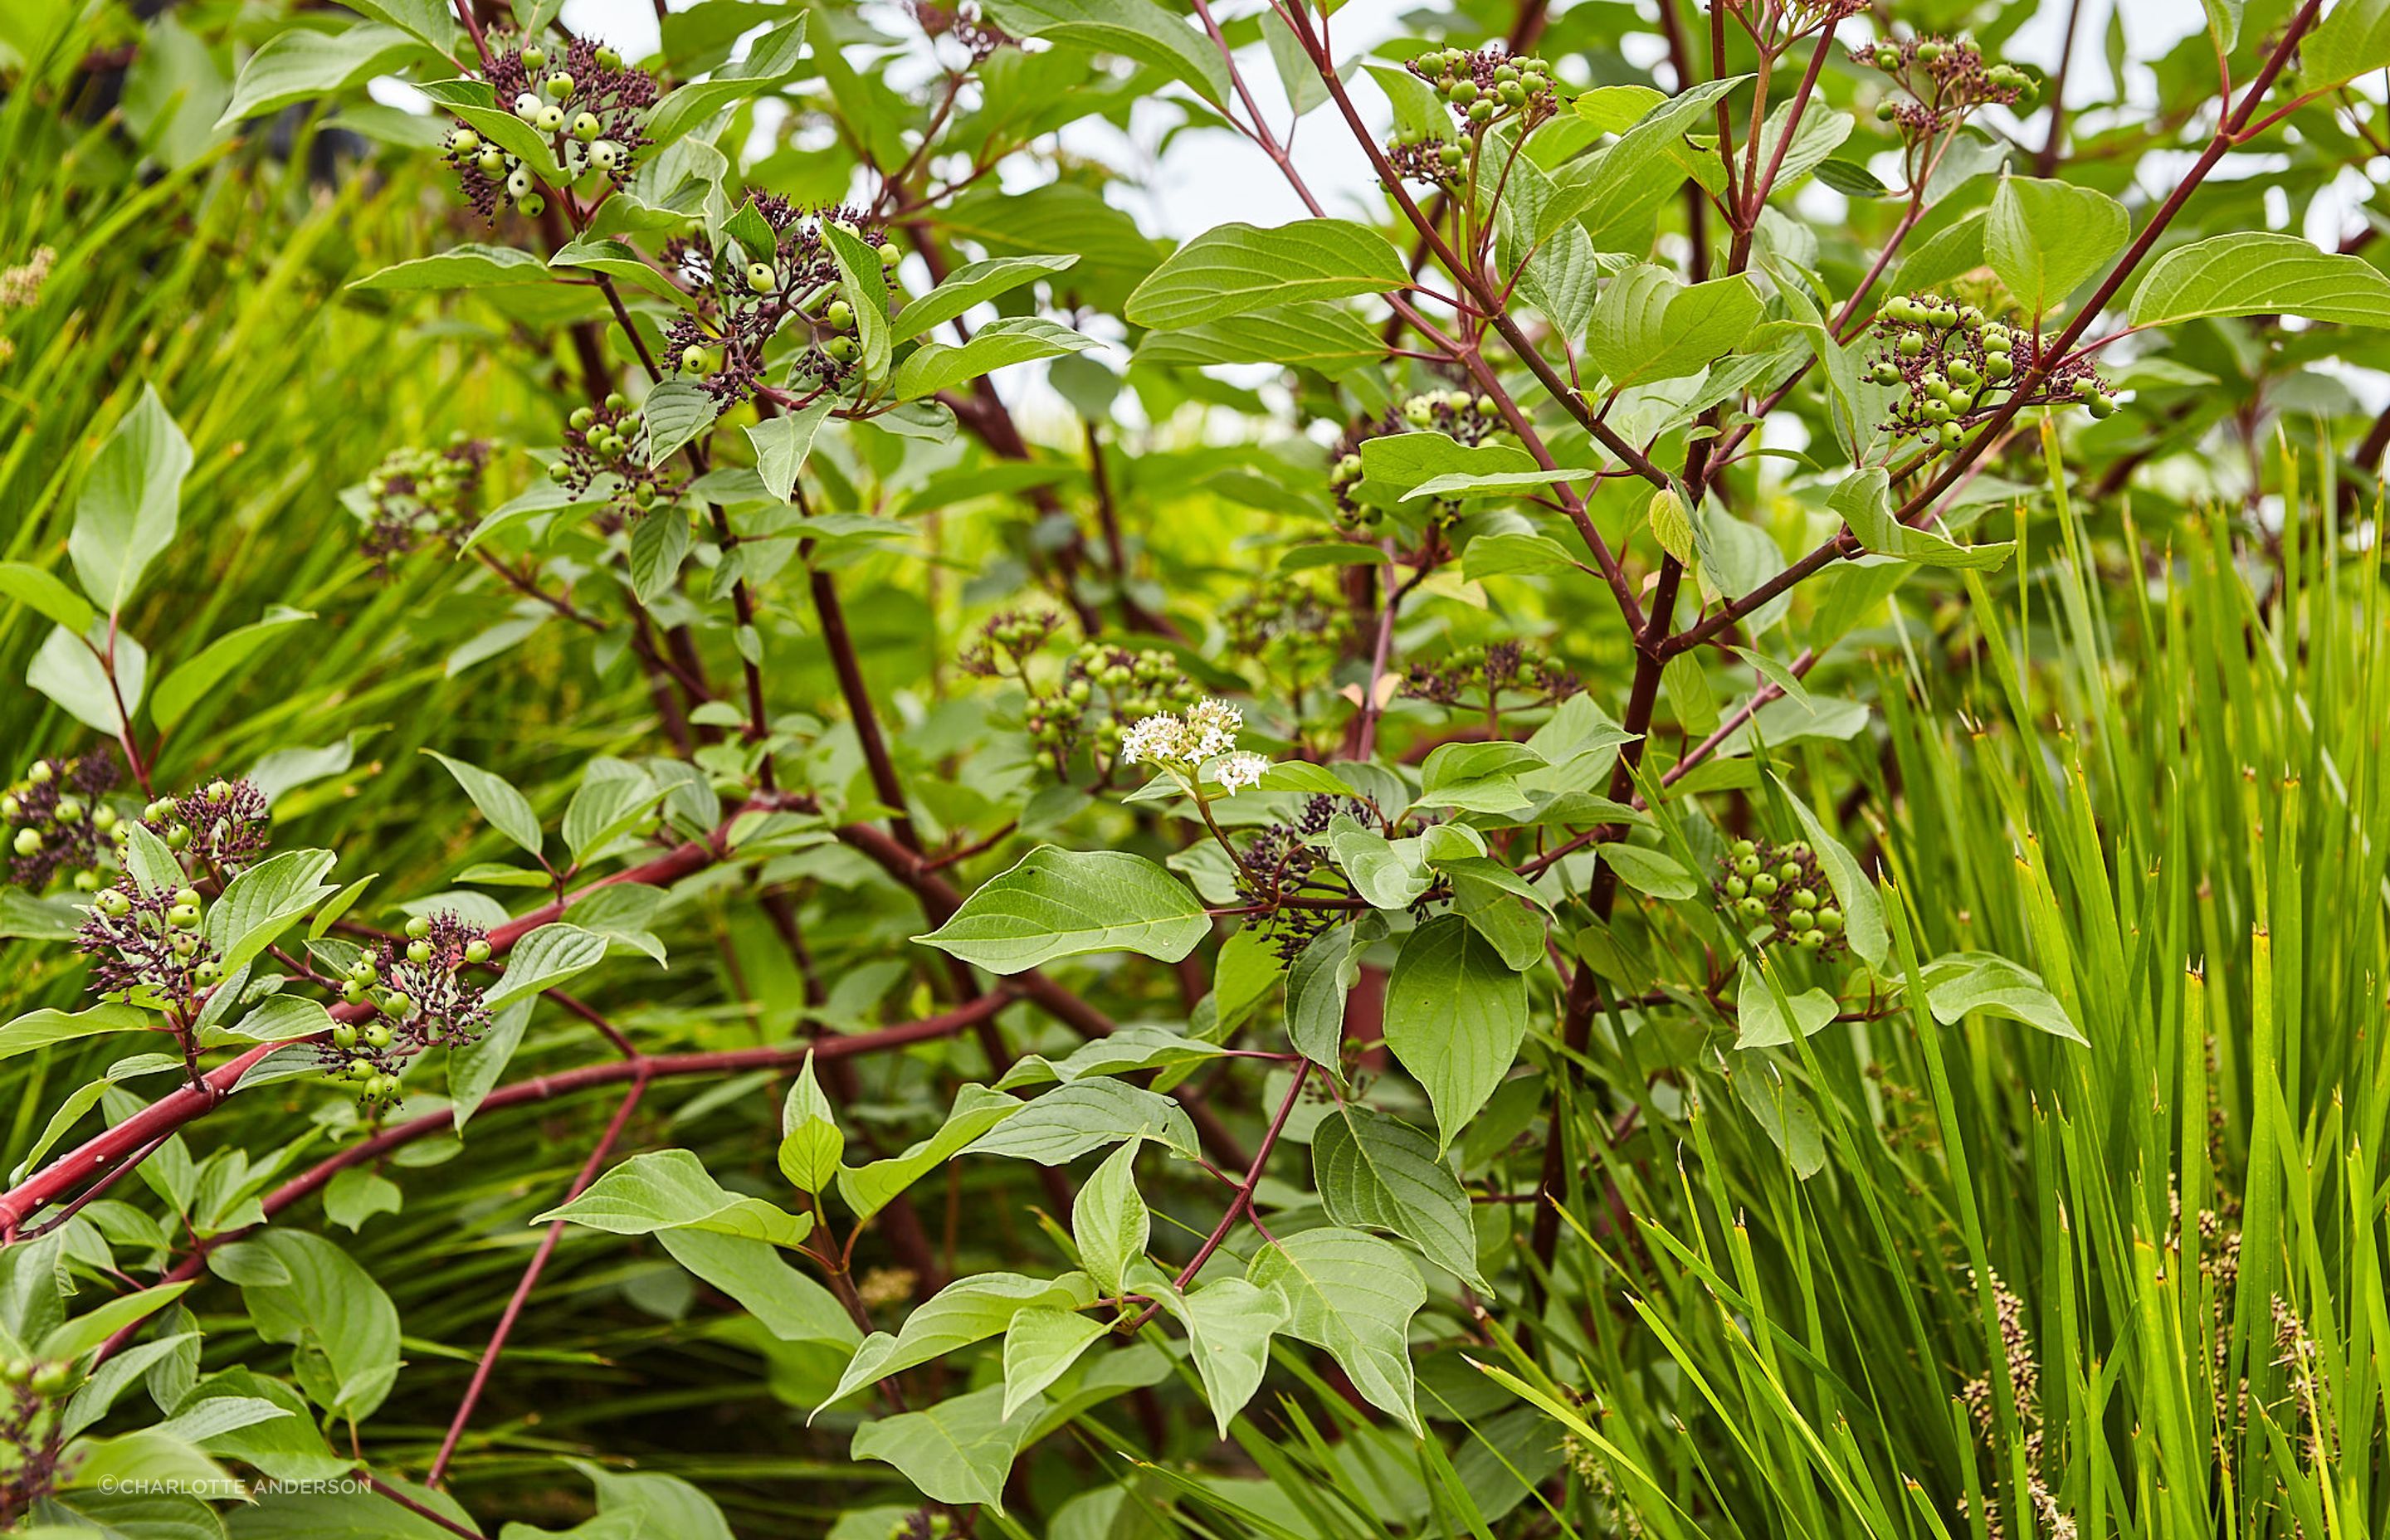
(744, 297)
(1488, 676)
(33, 1395)
(147, 949)
(1783, 887)
(419, 998)
(1459, 416)
(611, 438)
(1287, 629)
(1014, 635)
(1281, 860)
(1946, 80)
(419, 495)
(57, 820)
(1489, 86)
(1102, 688)
(1956, 369)
(222, 826)
(586, 104)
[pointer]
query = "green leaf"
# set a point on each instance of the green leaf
(1864, 500)
(613, 798)
(1862, 908)
(544, 959)
(71, 673)
(1352, 1295)
(1230, 1323)
(1620, 189)
(935, 366)
(958, 1451)
(676, 412)
(1109, 1221)
(1456, 1014)
(1456, 488)
(2353, 39)
(1650, 871)
(1391, 874)
(1039, 1348)
(1648, 325)
(784, 1302)
(1234, 269)
(1142, 1046)
(356, 1195)
(976, 283)
(670, 1189)
(976, 1109)
(473, 102)
(617, 260)
(782, 444)
(507, 810)
(1395, 466)
(468, 266)
(1067, 1123)
(1060, 903)
(1133, 29)
(1961, 983)
(131, 502)
(187, 684)
(40, 1029)
(2044, 238)
(966, 1311)
(2253, 272)
(1321, 337)
(44, 593)
(771, 60)
(811, 1143)
(264, 901)
(1509, 552)
(299, 65)
(659, 544)
(344, 1326)
(1322, 974)
(1765, 1020)
(1375, 1172)
(1477, 777)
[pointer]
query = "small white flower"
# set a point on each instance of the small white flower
(1237, 771)
(1157, 738)
(1213, 725)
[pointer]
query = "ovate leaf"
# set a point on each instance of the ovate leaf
(1060, 903)
(1352, 1295)
(1456, 1014)
(1376, 1171)
(2253, 272)
(1232, 269)
(670, 1189)
(2043, 238)
(131, 502)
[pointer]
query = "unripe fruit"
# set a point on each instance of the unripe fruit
(1481, 111)
(178, 836)
(534, 57)
(1804, 899)
(1887, 373)
(1451, 156)
(1764, 885)
(1910, 345)
(1809, 940)
(558, 86)
(1886, 110)
(838, 316)
(1746, 865)
(362, 1070)
(186, 895)
(1736, 887)
(617, 401)
(375, 1034)
(692, 359)
(1461, 92)
(889, 254)
(206, 973)
(1752, 908)
(16, 1371)
(113, 904)
(103, 818)
(396, 1005)
(761, 279)
(605, 155)
(586, 127)
(10, 807)
(40, 772)
(344, 1036)
(642, 495)
(609, 59)
(550, 119)
(531, 207)
(51, 1380)
(1929, 53)
(491, 162)
(1830, 921)
(419, 952)
(1997, 366)
(28, 841)
(519, 182)
(182, 917)
(1887, 57)
(419, 928)
(1741, 848)
(1511, 92)
(465, 141)
(528, 106)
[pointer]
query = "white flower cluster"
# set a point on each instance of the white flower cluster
(1209, 727)
(1205, 732)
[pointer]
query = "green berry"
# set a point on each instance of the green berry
(692, 359)
(586, 127)
(40, 774)
(1887, 57)
(1764, 885)
(581, 418)
(558, 472)
(617, 401)
(550, 119)
(1736, 887)
(609, 59)
(465, 142)
(1741, 848)
(375, 1034)
(493, 162)
(1809, 940)
(113, 904)
(761, 279)
(605, 155)
(1461, 92)
(558, 86)
(838, 315)
(1912, 345)
(178, 836)
(1799, 920)
(183, 916)
(477, 951)
(1481, 111)
(396, 1005)
(1804, 899)
(1886, 110)
(1830, 921)
(534, 57)
(344, 1036)
(419, 928)
(362, 1070)
(51, 1380)
(1752, 908)
(419, 952)
(890, 255)
(1746, 865)
(28, 841)
(1929, 53)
